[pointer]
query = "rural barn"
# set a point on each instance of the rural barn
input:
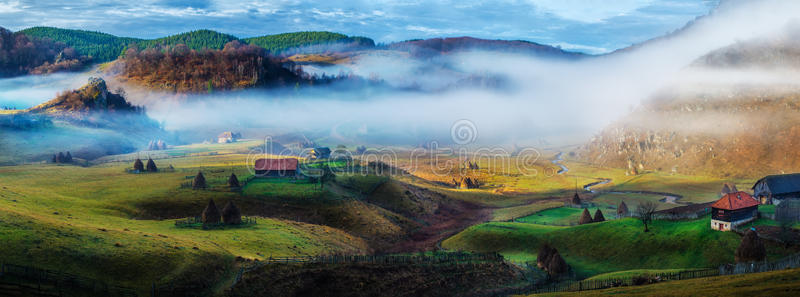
(732, 210)
(773, 189)
(228, 137)
(277, 167)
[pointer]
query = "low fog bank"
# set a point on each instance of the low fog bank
(545, 101)
(541, 101)
(28, 91)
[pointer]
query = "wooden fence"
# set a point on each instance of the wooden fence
(574, 286)
(26, 281)
(789, 262)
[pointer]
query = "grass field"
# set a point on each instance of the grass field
(631, 273)
(63, 216)
(564, 216)
(610, 246)
(775, 283)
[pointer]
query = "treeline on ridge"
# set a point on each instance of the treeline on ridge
(104, 47)
(21, 54)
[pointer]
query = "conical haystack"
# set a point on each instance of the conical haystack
(622, 210)
(211, 213)
(543, 257)
(151, 166)
(233, 181)
(138, 165)
(60, 157)
(231, 214)
(598, 216)
(557, 265)
(586, 218)
(199, 181)
(576, 200)
(68, 158)
(751, 248)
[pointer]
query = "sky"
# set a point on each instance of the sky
(588, 26)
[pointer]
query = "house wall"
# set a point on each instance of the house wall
(276, 173)
(736, 218)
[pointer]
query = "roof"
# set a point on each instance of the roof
(276, 164)
(782, 183)
(734, 201)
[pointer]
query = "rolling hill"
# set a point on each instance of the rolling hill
(106, 47)
(721, 127)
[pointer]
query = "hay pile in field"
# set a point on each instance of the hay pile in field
(586, 218)
(622, 210)
(199, 181)
(231, 214)
(151, 166)
(551, 261)
(598, 216)
(211, 214)
(576, 200)
(233, 181)
(751, 249)
(138, 165)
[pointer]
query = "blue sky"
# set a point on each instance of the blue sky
(591, 26)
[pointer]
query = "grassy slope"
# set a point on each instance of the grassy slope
(776, 283)
(564, 216)
(61, 217)
(609, 246)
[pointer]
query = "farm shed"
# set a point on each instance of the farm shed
(732, 210)
(773, 189)
(287, 167)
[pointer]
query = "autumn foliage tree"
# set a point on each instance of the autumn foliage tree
(20, 54)
(179, 68)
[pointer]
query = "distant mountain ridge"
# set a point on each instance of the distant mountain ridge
(433, 46)
(105, 47)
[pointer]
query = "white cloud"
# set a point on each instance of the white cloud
(589, 11)
(10, 7)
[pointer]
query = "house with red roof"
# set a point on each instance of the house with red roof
(733, 209)
(287, 167)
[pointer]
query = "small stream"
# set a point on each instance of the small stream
(558, 161)
(668, 197)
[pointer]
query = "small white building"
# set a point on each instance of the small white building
(228, 137)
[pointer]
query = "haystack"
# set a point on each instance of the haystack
(138, 165)
(199, 181)
(543, 257)
(151, 166)
(751, 248)
(55, 160)
(557, 265)
(622, 210)
(233, 181)
(728, 188)
(68, 158)
(576, 200)
(231, 214)
(211, 213)
(60, 157)
(598, 216)
(586, 218)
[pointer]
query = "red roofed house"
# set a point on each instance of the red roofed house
(732, 210)
(277, 167)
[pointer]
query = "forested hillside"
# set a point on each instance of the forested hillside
(20, 54)
(181, 69)
(104, 47)
(312, 41)
(101, 47)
